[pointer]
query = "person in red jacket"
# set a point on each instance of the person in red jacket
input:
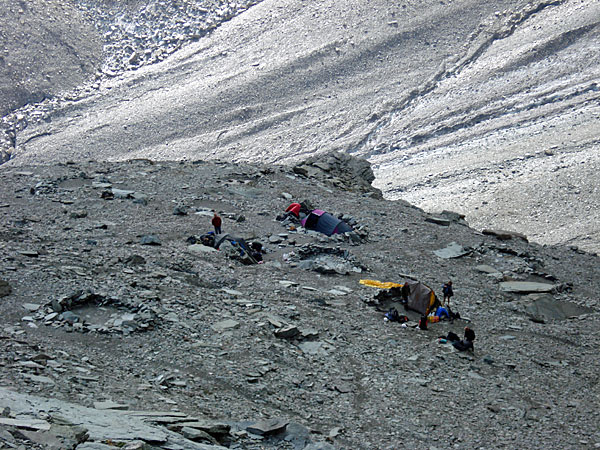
(294, 208)
(216, 222)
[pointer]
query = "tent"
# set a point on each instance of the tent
(420, 297)
(325, 223)
(412, 294)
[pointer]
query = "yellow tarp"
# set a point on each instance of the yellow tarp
(380, 284)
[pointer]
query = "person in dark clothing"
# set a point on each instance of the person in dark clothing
(467, 342)
(448, 293)
(257, 251)
(216, 222)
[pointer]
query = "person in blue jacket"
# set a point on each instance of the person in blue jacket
(448, 293)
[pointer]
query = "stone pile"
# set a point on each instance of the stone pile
(73, 312)
(326, 260)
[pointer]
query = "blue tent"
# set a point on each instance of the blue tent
(325, 223)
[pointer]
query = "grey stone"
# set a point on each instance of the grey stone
(453, 216)
(313, 348)
(267, 427)
(99, 185)
(122, 193)
(69, 317)
(135, 260)
(180, 211)
(140, 199)
(39, 378)
(195, 434)
(150, 240)
(211, 427)
(79, 214)
(228, 324)
(453, 250)
(287, 332)
(199, 248)
(31, 306)
(525, 287)
(486, 269)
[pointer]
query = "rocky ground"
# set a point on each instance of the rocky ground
(117, 332)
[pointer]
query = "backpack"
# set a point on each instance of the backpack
(392, 315)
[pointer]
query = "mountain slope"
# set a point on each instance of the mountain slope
(445, 98)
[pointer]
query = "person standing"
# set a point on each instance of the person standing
(216, 222)
(448, 293)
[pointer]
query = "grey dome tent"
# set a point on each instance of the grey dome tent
(325, 223)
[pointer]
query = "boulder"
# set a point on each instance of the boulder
(287, 332)
(267, 427)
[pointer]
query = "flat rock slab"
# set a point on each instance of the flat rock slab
(228, 324)
(548, 308)
(313, 348)
(33, 424)
(483, 268)
(101, 425)
(453, 250)
(212, 428)
(110, 405)
(525, 287)
(31, 306)
(156, 414)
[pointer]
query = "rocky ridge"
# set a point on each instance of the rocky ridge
(168, 345)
